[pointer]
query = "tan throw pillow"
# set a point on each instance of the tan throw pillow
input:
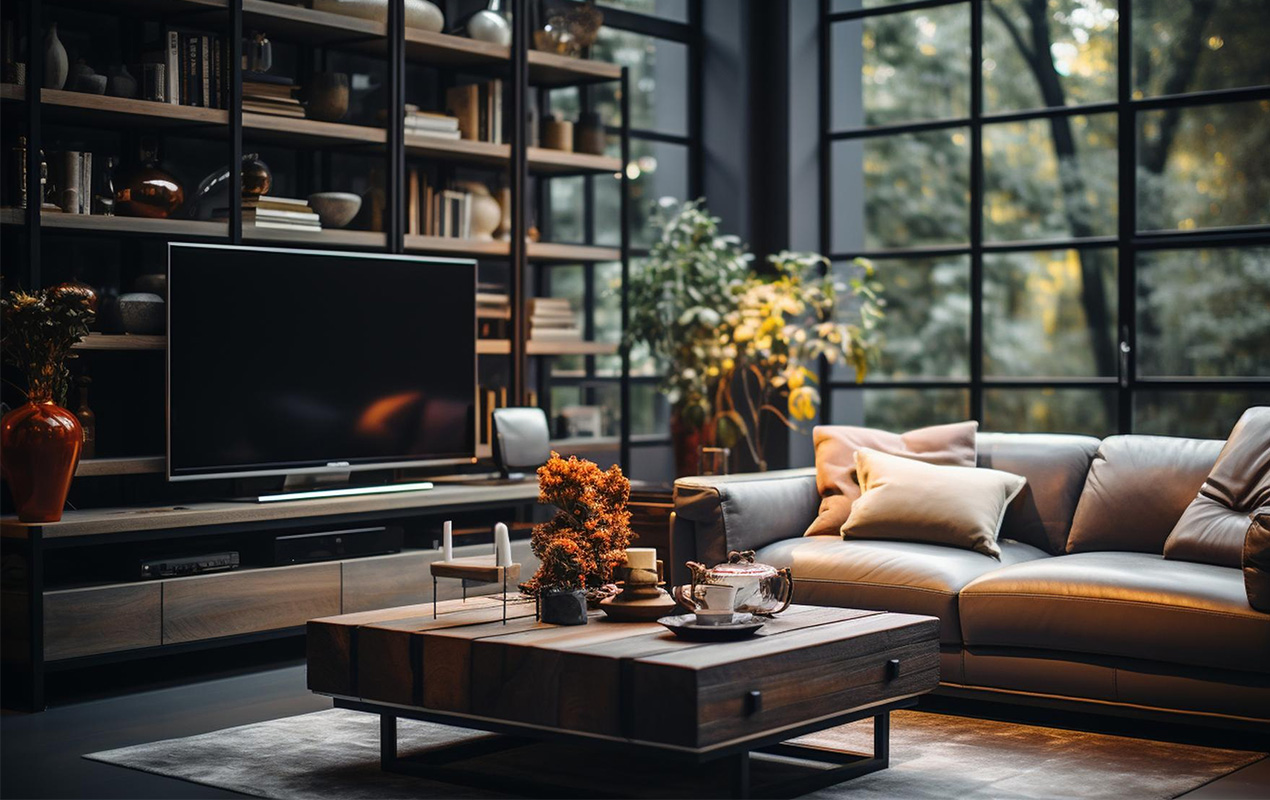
(910, 501)
(836, 446)
(1212, 528)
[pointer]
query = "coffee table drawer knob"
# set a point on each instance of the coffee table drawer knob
(892, 669)
(754, 702)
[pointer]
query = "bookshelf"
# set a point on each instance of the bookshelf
(43, 116)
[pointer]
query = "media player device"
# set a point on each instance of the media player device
(189, 565)
(302, 548)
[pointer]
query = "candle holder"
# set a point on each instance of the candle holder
(642, 599)
(495, 568)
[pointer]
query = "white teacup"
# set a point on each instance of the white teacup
(714, 602)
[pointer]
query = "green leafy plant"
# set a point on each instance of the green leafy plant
(40, 328)
(678, 299)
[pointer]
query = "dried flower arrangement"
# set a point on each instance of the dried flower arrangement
(39, 330)
(587, 537)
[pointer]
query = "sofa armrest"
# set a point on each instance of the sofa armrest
(716, 514)
(1256, 559)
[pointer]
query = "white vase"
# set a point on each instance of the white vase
(490, 26)
(421, 14)
(56, 65)
(486, 213)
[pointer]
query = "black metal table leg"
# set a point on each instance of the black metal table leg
(739, 766)
(387, 742)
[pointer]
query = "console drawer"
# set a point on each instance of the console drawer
(85, 622)
(209, 606)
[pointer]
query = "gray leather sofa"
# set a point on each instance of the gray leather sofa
(1088, 613)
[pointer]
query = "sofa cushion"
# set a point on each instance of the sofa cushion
(1212, 528)
(1131, 605)
(835, 461)
(1138, 487)
(910, 577)
(1055, 466)
(1256, 561)
(908, 501)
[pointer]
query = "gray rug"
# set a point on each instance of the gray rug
(335, 754)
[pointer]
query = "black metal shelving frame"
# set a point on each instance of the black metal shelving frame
(230, 18)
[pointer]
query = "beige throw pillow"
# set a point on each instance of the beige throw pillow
(835, 461)
(907, 500)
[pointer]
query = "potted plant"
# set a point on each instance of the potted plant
(769, 344)
(677, 301)
(584, 541)
(41, 439)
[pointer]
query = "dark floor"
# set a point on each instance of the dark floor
(40, 754)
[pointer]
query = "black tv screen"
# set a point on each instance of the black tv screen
(293, 361)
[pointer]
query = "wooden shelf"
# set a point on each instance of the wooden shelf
(550, 69)
(562, 162)
(572, 253)
(273, 128)
(122, 341)
(494, 347)
(142, 465)
(536, 348)
(444, 50)
(131, 520)
(97, 223)
(295, 23)
(466, 150)
(327, 237)
(451, 246)
(580, 443)
(93, 109)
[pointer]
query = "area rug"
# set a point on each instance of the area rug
(335, 754)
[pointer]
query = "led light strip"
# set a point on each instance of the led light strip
(352, 491)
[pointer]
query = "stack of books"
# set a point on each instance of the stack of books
(493, 310)
(436, 211)
(194, 68)
(428, 123)
(478, 107)
(281, 213)
(552, 319)
(271, 94)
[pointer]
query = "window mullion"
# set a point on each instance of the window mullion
(1126, 275)
(976, 211)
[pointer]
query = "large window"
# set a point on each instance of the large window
(1068, 202)
(657, 40)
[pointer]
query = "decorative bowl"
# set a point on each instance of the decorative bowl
(335, 209)
(142, 312)
(152, 284)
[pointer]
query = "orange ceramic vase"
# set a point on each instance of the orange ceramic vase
(41, 444)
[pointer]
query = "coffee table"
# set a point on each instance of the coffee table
(630, 686)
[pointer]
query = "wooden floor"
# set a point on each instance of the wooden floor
(40, 754)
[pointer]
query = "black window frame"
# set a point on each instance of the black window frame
(1128, 241)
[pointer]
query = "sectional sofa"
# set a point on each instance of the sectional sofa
(1082, 609)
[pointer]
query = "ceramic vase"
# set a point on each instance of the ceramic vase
(121, 83)
(56, 65)
(489, 25)
(487, 215)
(563, 608)
(42, 443)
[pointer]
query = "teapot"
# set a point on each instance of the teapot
(760, 588)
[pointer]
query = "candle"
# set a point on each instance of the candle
(641, 557)
(447, 541)
(502, 546)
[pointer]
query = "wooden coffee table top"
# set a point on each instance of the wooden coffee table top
(626, 681)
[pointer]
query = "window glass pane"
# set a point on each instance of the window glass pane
(1204, 313)
(1073, 63)
(608, 314)
(901, 67)
(650, 411)
(900, 409)
(562, 396)
(658, 81)
(1050, 178)
(566, 199)
(567, 281)
(1186, 46)
(901, 191)
(660, 170)
(1091, 411)
(565, 101)
(855, 5)
(675, 10)
(1050, 314)
(1202, 414)
(926, 331)
(1204, 166)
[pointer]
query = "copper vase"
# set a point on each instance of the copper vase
(41, 444)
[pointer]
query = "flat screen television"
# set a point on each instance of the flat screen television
(286, 362)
